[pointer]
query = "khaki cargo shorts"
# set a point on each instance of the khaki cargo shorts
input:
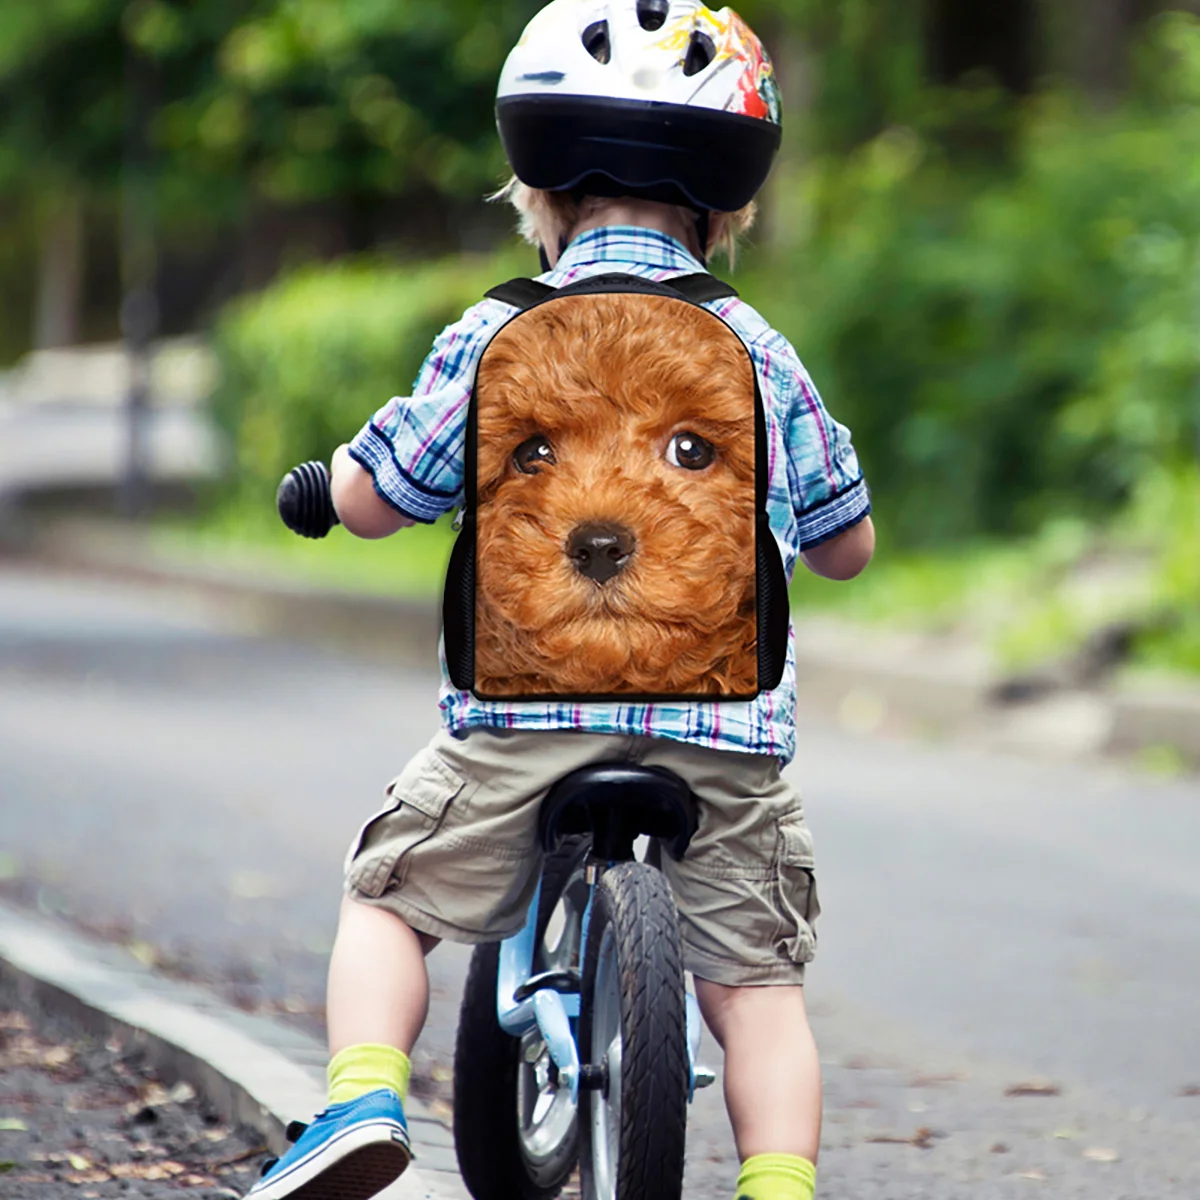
(455, 851)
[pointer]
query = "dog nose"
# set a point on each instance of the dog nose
(600, 551)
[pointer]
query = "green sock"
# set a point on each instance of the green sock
(776, 1177)
(357, 1070)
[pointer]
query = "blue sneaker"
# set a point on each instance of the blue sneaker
(351, 1151)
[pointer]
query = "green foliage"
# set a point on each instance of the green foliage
(1165, 515)
(1010, 346)
(248, 539)
(306, 363)
(287, 100)
(374, 97)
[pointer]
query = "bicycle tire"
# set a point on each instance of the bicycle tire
(634, 958)
(487, 1137)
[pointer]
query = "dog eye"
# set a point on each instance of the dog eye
(691, 451)
(533, 453)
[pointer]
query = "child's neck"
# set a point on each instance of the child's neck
(672, 219)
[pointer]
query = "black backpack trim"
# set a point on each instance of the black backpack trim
(458, 603)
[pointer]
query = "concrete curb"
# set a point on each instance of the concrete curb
(866, 678)
(254, 1071)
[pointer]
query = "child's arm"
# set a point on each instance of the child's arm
(833, 516)
(844, 556)
(406, 464)
(356, 502)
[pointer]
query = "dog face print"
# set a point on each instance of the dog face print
(616, 503)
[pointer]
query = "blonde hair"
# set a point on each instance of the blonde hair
(549, 218)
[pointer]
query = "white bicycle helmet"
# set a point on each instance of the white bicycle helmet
(663, 99)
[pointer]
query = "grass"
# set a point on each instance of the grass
(412, 563)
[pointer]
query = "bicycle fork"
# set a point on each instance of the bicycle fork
(549, 1002)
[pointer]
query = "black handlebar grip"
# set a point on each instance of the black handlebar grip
(305, 502)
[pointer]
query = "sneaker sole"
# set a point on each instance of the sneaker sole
(368, 1160)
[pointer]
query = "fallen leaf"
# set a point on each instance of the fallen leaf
(1032, 1174)
(154, 1095)
(182, 1093)
(999, 1148)
(79, 1162)
(237, 1158)
(441, 1074)
(5, 1167)
(14, 1022)
(96, 1176)
(12, 1125)
(1190, 1089)
(1065, 1134)
(143, 952)
(920, 1081)
(1033, 1087)
(151, 1172)
(922, 1139)
(1101, 1154)
(57, 1056)
(33, 1177)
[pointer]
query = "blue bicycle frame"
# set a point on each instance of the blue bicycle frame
(554, 1014)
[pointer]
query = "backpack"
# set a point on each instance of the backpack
(613, 540)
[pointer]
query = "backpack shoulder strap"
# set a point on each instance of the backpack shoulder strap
(701, 287)
(521, 293)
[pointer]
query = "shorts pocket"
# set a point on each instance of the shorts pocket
(417, 801)
(799, 906)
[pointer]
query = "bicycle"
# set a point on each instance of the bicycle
(577, 1038)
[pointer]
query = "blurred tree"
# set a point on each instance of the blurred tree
(259, 103)
(60, 137)
(997, 38)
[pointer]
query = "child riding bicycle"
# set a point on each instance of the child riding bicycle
(639, 132)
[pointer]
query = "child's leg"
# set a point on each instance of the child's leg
(747, 906)
(375, 944)
(772, 1073)
(456, 853)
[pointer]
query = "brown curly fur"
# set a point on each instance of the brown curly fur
(609, 380)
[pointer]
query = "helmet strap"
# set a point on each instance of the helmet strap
(544, 258)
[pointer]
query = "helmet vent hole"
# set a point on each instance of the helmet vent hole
(652, 14)
(596, 41)
(701, 52)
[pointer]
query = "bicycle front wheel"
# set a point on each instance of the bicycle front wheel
(633, 1025)
(515, 1127)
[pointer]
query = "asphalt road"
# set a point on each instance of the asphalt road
(988, 921)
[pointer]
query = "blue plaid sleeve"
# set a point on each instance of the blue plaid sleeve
(413, 446)
(824, 476)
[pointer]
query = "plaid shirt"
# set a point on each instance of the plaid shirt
(413, 447)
